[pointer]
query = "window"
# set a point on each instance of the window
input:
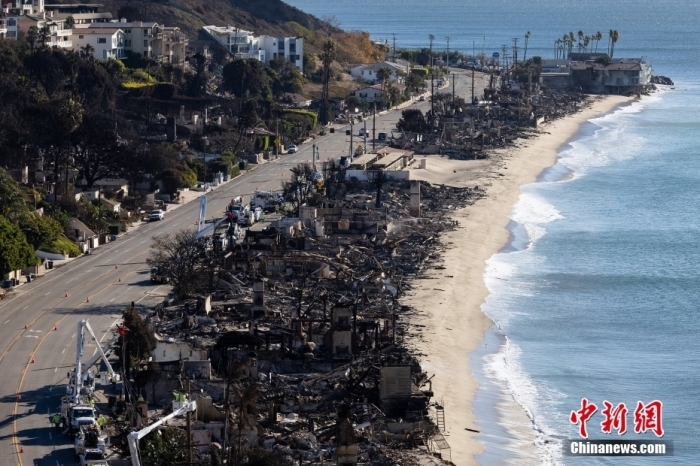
(145, 43)
(101, 40)
(104, 54)
(81, 37)
(11, 33)
(11, 22)
(128, 31)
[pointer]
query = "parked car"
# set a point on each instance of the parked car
(292, 149)
(157, 214)
(381, 136)
(362, 131)
(422, 98)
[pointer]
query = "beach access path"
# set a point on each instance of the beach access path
(448, 303)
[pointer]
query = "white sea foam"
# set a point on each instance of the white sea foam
(505, 369)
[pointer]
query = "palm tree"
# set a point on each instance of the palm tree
(615, 37)
(580, 40)
(572, 40)
(610, 34)
(597, 37)
(33, 36)
(87, 51)
(383, 74)
(586, 43)
(44, 35)
(527, 39)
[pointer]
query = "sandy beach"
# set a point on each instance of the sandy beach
(448, 323)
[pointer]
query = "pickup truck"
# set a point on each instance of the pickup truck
(93, 458)
(157, 214)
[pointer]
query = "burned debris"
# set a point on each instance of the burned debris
(293, 345)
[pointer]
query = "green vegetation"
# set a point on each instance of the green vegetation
(15, 253)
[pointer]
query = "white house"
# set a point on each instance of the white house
(152, 40)
(59, 36)
(106, 42)
(245, 45)
(368, 73)
(371, 94)
(624, 72)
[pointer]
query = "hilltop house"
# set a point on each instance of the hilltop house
(245, 45)
(106, 42)
(152, 40)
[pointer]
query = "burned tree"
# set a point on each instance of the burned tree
(182, 259)
(377, 179)
(300, 185)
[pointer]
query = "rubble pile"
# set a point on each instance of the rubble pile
(465, 131)
(306, 315)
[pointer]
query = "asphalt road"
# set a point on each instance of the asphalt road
(35, 359)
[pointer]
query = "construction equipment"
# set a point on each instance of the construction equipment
(76, 407)
(179, 408)
(266, 200)
(89, 439)
(203, 231)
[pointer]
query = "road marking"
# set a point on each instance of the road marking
(31, 336)
(64, 350)
(50, 437)
(25, 307)
(55, 369)
(47, 293)
(6, 322)
(112, 299)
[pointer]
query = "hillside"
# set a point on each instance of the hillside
(270, 17)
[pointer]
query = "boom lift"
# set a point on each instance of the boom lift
(179, 408)
(76, 408)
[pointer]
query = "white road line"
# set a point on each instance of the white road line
(64, 350)
(47, 293)
(6, 322)
(25, 307)
(50, 437)
(112, 299)
(72, 336)
(55, 369)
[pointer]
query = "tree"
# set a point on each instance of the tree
(41, 231)
(15, 253)
(165, 447)
(140, 341)
(527, 39)
(300, 185)
(247, 76)
(598, 35)
(32, 37)
(413, 121)
(247, 119)
(70, 22)
(377, 178)
(383, 74)
(87, 51)
(96, 147)
(44, 35)
(614, 37)
(183, 260)
(11, 202)
(328, 54)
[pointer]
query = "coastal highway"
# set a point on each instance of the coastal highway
(38, 321)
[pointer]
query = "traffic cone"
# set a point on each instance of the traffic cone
(32, 361)
(19, 398)
(88, 299)
(55, 327)
(66, 295)
(116, 266)
(25, 327)
(21, 449)
(120, 278)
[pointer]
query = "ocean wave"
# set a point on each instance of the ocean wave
(532, 212)
(504, 368)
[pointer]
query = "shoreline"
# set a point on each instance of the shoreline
(450, 317)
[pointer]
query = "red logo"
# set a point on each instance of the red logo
(646, 417)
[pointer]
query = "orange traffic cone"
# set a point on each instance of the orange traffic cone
(55, 327)
(120, 278)
(88, 299)
(32, 361)
(116, 266)
(66, 295)
(19, 398)
(25, 327)
(21, 449)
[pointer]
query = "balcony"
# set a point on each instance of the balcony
(61, 43)
(62, 32)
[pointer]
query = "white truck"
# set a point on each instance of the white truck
(266, 200)
(89, 439)
(93, 458)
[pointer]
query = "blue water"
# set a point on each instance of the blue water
(598, 294)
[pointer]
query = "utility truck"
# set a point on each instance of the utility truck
(76, 407)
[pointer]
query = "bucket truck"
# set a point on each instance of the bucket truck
(76, 407)
(179, 408)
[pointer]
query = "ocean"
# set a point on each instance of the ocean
(597, 294)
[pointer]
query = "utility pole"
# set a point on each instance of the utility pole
(515, 51)
(364, 144)
(351, 151)
(374, 122)
(432, 77)
(189, 427)
(453, 87)
(473, 85)
(447, 61)
(394, 55)
(277, 136)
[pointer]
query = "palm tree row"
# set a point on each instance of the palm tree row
(564, 46)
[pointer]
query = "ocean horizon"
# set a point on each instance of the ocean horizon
(596, 295)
